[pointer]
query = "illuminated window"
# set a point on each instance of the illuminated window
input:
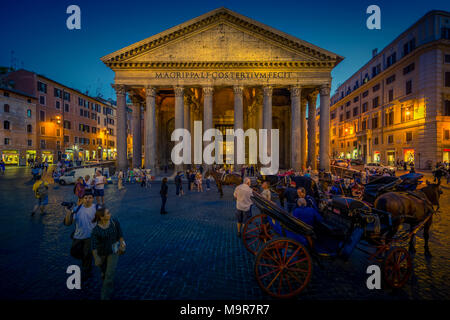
(407, 113)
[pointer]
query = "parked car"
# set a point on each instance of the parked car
(72, 175)
(378, 166)
(356, 162)
(340, 163)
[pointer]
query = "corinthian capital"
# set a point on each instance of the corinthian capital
(325, 89)
(296, 91)
(268, 91)
(179, 91)
(238, 90)
(208, 91)
(150, 91)
(120, 88)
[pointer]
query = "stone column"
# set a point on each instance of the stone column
(312, 162)
(179, 114)
(150, 129)
(136, 124)
(238, 120)
(267, 114)
(122, 159)
(187, 123)
(296, 92)
(259, 117)
(303, 132)
(324, 143)
(187, 113)
(286, 138)
(158, 137)
(207, 109)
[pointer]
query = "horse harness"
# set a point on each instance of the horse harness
(424, 198)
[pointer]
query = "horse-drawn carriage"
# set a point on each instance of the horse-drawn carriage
(285, 247)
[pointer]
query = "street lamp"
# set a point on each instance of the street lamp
(57, 120)
(105, 131)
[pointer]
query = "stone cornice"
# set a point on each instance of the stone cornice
(217, 16)
(220, 65)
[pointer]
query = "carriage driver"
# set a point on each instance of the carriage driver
(308, 215)
(310, 201)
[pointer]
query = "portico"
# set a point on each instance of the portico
(231, 72)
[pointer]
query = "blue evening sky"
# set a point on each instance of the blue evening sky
(35, 31)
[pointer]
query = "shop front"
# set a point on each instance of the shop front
(30, 155)
(10, 157)
(377, 156)
(408, 155)
(68, 154)
(390, 156)
(47, 156)
(446, 155)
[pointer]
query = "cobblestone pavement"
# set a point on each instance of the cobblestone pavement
(191, 253)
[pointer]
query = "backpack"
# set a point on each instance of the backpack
(41, 191)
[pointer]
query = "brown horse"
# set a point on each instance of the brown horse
(411, 208)
(221, 179)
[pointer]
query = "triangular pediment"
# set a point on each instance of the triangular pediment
(220, 36)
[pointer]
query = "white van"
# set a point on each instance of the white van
(72, 176)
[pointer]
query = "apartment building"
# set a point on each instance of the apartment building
(18, 126)
(69, 124)
(397, 106)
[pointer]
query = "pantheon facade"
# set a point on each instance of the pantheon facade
(230, 72)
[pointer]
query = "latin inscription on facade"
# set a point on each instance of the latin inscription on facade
(223, 75)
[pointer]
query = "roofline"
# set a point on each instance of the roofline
(77, 91)
(211, 13)
(429, 13)
(17, 92)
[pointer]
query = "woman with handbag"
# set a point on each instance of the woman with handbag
(107, 245)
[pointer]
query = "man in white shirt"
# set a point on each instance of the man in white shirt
(83, 216)
(99, 187)
(242, 193)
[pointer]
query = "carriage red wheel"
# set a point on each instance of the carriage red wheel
(397, 267)
(283, 268)
(256, 233)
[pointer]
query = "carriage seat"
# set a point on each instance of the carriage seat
(343, 205)
(327, 229)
